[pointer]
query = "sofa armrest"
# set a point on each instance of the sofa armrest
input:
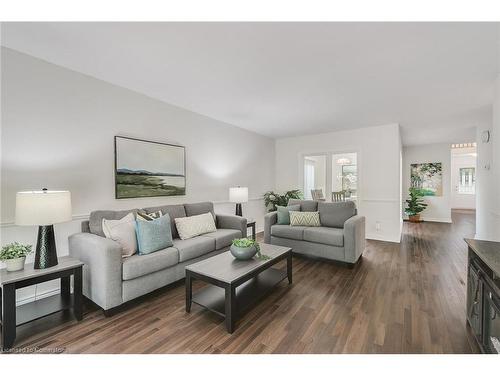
(102, 270)
(232, 222)
(354, 238)
(270, 219)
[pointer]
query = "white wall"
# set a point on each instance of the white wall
(439, 208)
(57, 132)
(462, 158)
(378, 151)
(488, 176)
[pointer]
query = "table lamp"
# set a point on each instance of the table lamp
(238, 195)
(43, 208)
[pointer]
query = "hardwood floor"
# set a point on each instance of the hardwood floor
(402, 298)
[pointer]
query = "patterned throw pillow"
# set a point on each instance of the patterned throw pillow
(143, 216)
(307, 219)
(284, 213)
(153, 235)
(123, 232)
(193, 226)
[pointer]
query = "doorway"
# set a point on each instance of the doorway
(331, 176)
(463, 176)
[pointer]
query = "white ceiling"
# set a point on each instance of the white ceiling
(286, 79)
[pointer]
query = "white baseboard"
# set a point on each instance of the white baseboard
(32, 298)
(437, 219)
(378, 237)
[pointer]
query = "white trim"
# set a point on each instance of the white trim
(380, 200)
(86, 216)
(378, 237)
(32, 298)
(437, 219)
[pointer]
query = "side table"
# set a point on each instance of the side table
(12, 316)
(251, 224)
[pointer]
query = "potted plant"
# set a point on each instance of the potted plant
(415, 205)
(272, 199)
(245, 249)
(14, 255)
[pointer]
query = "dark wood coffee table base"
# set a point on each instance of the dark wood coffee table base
(231, 300)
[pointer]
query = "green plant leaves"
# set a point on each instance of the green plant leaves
(415, 203)
(272, 199)
(15, 250)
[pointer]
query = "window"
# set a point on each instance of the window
(467, 181)
(308, 177)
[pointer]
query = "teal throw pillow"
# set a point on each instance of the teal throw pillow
(284, 213)
(153, 235)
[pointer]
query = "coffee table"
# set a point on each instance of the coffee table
(236, 285)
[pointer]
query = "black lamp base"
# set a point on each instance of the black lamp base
(45, 255)
(239, 211)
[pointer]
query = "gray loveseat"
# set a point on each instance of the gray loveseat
(341, 236)
(109, 280)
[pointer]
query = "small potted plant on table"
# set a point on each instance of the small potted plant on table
(14, 255)
(415, 205)
(245, 249)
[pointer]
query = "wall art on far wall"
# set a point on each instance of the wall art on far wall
(428, 178)
(148, 169)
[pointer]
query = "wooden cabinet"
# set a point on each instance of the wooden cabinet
(474, 300)
(483, 294)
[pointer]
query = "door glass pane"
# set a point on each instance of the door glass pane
(314, 176)
(344, 176)
(467, 181)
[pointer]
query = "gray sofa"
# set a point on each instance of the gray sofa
(109, 280)
(341, 236)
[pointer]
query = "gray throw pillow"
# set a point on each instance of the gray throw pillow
(284, 213)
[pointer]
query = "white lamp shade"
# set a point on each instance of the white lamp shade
(43, 207)
(238, 194)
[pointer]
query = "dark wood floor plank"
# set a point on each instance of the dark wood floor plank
(402, 298)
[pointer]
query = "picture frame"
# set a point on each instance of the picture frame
(145, 168)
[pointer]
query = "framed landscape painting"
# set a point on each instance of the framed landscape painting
(428, 178)
(148, 169)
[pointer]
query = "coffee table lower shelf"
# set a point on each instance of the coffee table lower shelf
(247, 294)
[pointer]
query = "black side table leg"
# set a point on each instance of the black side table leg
(254, 236)
(189, 291)
(9, 316)
(65, 288)
(289, 268)
(230, 308)
(77, 294)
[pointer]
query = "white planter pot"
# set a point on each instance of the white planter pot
(15, 264)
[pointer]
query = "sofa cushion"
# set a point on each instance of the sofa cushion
(140, 265)
(123, 232)
(223, 237)
(192, 226)
(308, 219)
(95, 219)
(153, 235)
(173, 210)
(335, 214)
(194, 247)
(324, 235)
(193, 209)
(284, 213)
(307, 206)
(287, 231)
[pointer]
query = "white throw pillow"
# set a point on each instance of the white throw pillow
(193, 226)
(123, 232)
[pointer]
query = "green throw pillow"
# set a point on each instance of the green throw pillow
(153, 235)
(284, 213)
